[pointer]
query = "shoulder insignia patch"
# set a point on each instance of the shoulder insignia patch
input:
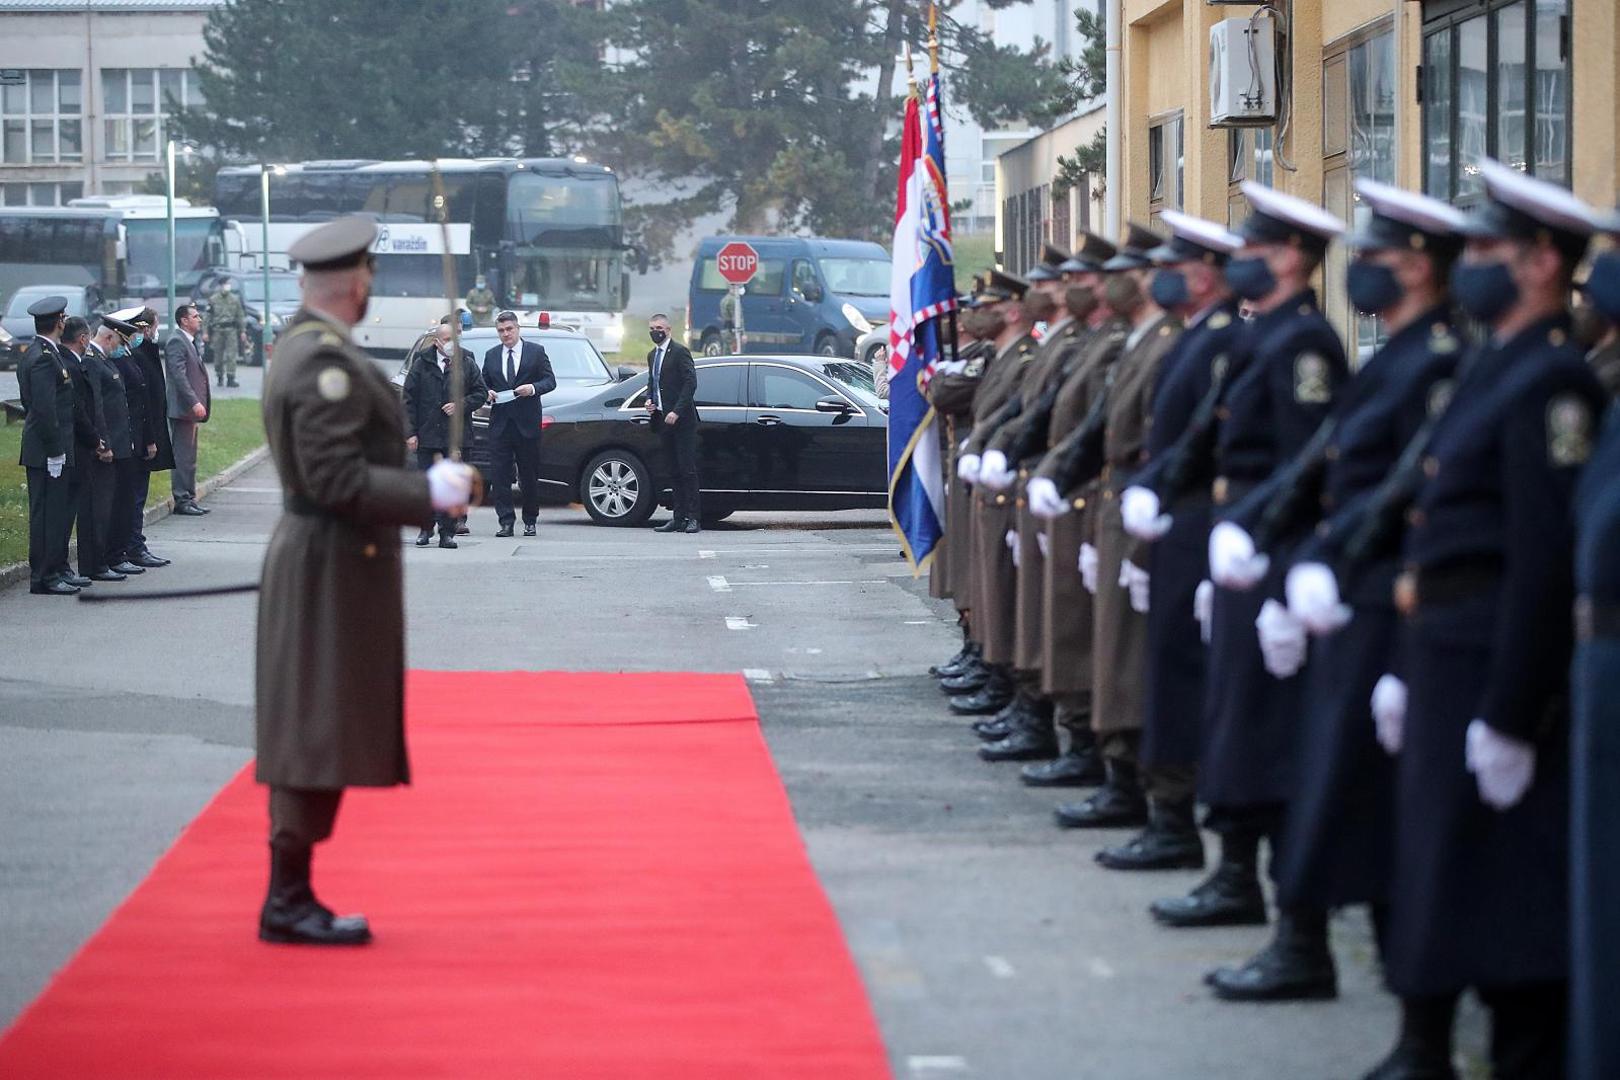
(1312, 385)
(975, 367)
(1220, 321)
(1569, 431)
(1440, 396)
(333, 383)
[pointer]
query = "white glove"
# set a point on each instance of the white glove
(450, 484)
(1503, 766)
(1233, 563)
(1011, 540)
(1044, 544)
(1140, 509)
(1204, 608)
(1045, 500)
(1389, 712)
(967, 468)
(993, 471)
(1282, 640)
(1313, 597)
(1135, 579)
(1088, 568)
(55, 465)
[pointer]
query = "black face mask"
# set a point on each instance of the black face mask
(1250, 277)
(658, 336)
(1484, 290)
(1169, 288)
(1372, 287)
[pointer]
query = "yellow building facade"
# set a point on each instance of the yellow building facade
(1411, 92)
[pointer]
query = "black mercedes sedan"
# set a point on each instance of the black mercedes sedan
(777, 433)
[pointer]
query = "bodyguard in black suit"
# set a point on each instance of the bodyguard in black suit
(428, 410)
(520, 368)
(672, 379)
(46, 389)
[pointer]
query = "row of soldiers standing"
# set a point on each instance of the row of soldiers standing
(1332, 608)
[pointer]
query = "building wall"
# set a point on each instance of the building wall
(1030, 211)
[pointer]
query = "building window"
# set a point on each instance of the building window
(37, 194)
(1062, 222)
(1496, 83)
(1359, 94)
(135, 104)
(42, 118)
(1167, 163)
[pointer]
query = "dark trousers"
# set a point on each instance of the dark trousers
(184, 481)
(121, 520)
(680, 458)
(1258, 820)
(425, 457)
(507, 451)
(141, 487)
(50, 521)
(1529, 1028)
(96, 482)
(300, 818)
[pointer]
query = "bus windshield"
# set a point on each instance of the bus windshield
(197, 246)
(564, 211)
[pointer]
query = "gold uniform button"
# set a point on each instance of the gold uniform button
(1416, 518)
(1406, 594)
(1079, 504)
(1431, 467)
(1001, 500)
(1332, 452)
(1557, 337)
(369, 551)
(1108, 494)
(1019, 503)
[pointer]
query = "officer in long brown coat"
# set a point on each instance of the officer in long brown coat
(331, 645)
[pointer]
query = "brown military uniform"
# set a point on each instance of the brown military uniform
(331, 647)
(1119, 651)
(952, 394)
(1067, 615)
(994, 577)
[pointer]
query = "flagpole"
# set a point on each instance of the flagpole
(933, 69)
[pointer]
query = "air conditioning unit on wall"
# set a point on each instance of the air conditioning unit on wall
(1243, 72)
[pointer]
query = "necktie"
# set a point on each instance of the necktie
(658, 366)
(511, 369)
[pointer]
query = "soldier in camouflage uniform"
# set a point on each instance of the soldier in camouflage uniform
(227, 325)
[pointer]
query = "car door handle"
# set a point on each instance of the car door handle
(642, 420)
(767, 421)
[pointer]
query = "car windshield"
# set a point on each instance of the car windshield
(23, 297)
(282, 289)
(856, 277)
(850, 373)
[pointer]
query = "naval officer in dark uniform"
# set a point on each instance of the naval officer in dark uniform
(331, 645)
(46, 389)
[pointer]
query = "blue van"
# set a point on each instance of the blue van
(809, 295)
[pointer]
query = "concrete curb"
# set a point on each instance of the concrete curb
(10, 575)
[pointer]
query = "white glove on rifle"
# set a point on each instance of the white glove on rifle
(1045, 545)
(967, 468)
(1135, 579)
(1313, 596)
(1503, 766)
(1045, 500)
(450, 484)
(1088, 568)
(1011, 540)
(1233, 563)
(1204, 608)
(1389, 712)
(994, 473)
(55, 465)
(1139, 508)
(1282, 640)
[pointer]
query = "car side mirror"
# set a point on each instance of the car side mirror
(812, 293)
(625, 371)
(833, 405)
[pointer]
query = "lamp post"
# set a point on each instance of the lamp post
(169, 160)
(264, 252)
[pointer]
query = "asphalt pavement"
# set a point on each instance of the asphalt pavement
(990, 944)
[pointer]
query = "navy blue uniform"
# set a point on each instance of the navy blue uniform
(1276, 402)
(46, 389)
(1478, 896)
(1178, 559)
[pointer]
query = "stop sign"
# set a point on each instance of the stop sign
(737, 262)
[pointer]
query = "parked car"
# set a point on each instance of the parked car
(872, 349)
(285, 298)
(83, 300)
(778, 433)
(809, 296)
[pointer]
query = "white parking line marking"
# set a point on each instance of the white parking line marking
(921, 1063)
(718, 584)
(773, 584)
(759, 675)
(738, 622)
(1100, 968)
(999, 967)
(705, 554)
(919, 622)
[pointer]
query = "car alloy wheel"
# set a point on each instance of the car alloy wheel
(614, 488)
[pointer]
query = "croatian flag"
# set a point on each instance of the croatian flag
(922, 291)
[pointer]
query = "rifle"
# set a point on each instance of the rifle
(1380, 525)
(1197, 443)
(1300, 478)
(1080, 456)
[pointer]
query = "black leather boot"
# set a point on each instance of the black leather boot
(1118, 804)
(1034, 739)
(995, 695)
(1005, 722)
(1230, 896)
(975, 673)
(292, 916)
(1170, 842)
(1424, 1049)
(1296, 966)
(958, 664)
(1078, 766)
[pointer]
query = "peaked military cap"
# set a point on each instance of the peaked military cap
(1194, 239)
(1520, 207)
(119, 325)
(1280, 218)
(1052, 257)
(1139, 240)
(1002, 286)
(1090, 252)
(48, 306)
(338, 244)
(1405, 220)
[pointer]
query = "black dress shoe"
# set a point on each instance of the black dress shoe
(78, 581)
(148, 560)
(424, 539)
(53, 588)
(528, 530)
(1024, 744)
(671, 526)
(189, 509)
(986, 701)
(1118, 804)
(1407, 1062)
(973, 679)
(127, 568)
(1230, 896)
(1296, 966)
(107, 575)
(1071, 769)
(308, 923)
(952, 667)
(504, 530)
(462, 528)
(447, 542)
(692, 526)
(1170, 842)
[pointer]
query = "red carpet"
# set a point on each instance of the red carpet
(592, 876)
